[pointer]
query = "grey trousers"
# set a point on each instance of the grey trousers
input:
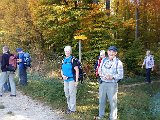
(8, 75)
(108, 90)
(70, 92)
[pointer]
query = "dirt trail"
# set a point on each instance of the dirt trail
(23, 107)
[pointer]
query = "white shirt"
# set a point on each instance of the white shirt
(148, 61)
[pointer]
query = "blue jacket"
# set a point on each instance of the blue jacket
(21, 64)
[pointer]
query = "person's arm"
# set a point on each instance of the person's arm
(100, 68)
(20, 58)
(95, 66)
(3, 62)
(143, 63)
(63, 76)
(120, 72)
(75, 66)
(76, 73)
(152, 63)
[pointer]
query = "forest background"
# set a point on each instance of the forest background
(44, 27)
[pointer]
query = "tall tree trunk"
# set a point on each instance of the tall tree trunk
(75, 4)
(137, 22)
(65, 2)
(108, 7)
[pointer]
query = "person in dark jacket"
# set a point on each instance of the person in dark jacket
(6, 74)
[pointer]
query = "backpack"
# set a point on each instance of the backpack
(27, 60)
(79, 67)
(12, 63)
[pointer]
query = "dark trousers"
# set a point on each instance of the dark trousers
(23, 76)
(148, 74)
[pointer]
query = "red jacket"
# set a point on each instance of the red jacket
(98, 65)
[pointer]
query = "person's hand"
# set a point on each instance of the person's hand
(100, 74)
(152, 68)
(64, 77)
(142, 67)
(76, 83)
(108, 77)
(19, 60)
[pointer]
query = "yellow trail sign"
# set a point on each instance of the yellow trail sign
(81, 37)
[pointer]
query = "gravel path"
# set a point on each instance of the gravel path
(23, 107)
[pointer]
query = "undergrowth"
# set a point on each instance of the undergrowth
(134, 102)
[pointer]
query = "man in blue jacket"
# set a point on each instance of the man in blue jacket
(21, 67)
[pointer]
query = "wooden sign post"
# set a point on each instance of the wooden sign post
(80, 38)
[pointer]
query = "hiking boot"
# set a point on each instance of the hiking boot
(68, 111)
(98, 118)
(12, 95)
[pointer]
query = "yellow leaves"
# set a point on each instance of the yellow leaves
(129, 23)
(77, 32)
(63, 21)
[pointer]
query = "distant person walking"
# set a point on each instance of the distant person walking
(70, 79)
(6, 73)
(149, 64)
(110, 72)
(22, 69)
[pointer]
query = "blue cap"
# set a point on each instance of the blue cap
(19, 49)
(113, 48)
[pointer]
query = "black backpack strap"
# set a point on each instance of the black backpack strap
(73, 59)
(62, 63)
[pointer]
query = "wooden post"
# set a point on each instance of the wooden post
(137, 20)
(80, 47)
(80, 38)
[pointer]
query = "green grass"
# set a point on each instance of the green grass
(134, 102)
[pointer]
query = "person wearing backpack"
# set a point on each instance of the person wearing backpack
(149, 64)
(6, 86)
(110, 72)
(98, 62)
(22, 69)
(6, 73)
(70, 79)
